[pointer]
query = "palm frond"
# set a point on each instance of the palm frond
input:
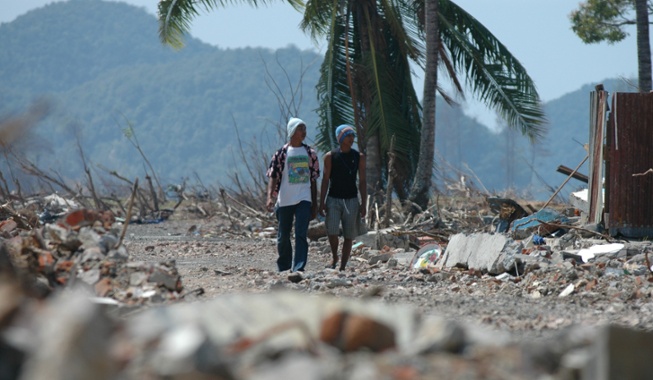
(394, 110)
(333, 90)
(318, 18)
(496, 77)
(381, 80)
(175, 16)
(402, 22)
(445, 61)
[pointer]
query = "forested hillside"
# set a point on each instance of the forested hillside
(102, 67)
(114, 87)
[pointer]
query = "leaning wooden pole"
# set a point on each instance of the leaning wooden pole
(566, 180)
(129, 213)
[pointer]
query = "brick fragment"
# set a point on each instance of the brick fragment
(351, 332)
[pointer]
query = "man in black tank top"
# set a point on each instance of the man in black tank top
(342, 167)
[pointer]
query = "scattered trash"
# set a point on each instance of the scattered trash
(589, 253)
(617, 272)
(503, 276)
(543, 222)
(77, 248)
(568, 290)
(427, 255)
(496, 261)
(508, 211)
(538, 240)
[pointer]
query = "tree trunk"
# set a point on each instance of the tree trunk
(421, 189)
(643, 46)
(374, 167)
(373, 154)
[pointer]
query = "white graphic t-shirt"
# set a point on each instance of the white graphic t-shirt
(295, 182)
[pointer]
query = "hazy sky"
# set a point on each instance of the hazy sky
(537, 32)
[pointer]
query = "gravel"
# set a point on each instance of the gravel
(214, 260)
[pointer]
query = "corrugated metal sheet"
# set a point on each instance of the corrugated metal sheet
(629, 192)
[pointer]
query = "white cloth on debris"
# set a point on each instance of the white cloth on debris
(591, 252)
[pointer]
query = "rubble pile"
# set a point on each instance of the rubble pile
(290, 334)
(568, 261)
(77, 304)
(83, 248)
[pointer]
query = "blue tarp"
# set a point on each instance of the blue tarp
(545, 215)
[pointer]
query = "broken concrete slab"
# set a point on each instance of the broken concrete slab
(591, 252)
(483, 251)
(73, 340)
(385, 237)
(439, 334)
(404, 258)
(620, 353)
(251, 315)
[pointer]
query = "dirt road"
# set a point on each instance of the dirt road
(214, 261)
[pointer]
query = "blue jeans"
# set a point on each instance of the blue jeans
(301, 213)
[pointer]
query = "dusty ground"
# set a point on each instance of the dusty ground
(213, 262)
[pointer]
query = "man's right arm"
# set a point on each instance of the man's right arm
(273, 176)
(324, 187)
(272, 184)
(362, 185)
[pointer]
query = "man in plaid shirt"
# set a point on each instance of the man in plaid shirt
(292, 195)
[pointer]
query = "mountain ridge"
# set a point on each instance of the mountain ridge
(192, 110)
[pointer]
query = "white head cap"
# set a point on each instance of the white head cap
(293, 123)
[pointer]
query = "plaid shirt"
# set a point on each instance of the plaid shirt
(278, 162)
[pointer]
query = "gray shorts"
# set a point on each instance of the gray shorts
(341, 210)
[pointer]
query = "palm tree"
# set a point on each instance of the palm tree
(493, 74)
(366, 76)
(420, 192)
(463, 45)
(643, 46)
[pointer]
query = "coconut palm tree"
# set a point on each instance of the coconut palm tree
(366, 75)
(366, 81)
(384, 107)
(643, 45)
(492, 73)
(420, 192)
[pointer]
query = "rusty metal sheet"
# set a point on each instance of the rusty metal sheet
(629, 143)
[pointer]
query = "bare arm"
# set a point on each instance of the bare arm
(272, 184)
(324, 187)
(313, 199)
(362, 185)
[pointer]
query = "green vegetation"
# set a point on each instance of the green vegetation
(600, 20)
(104, 69)
(366, 78)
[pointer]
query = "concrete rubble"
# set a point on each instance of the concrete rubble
(83, 248)
(75, 306)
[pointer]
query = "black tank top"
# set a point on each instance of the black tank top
(344, 169)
